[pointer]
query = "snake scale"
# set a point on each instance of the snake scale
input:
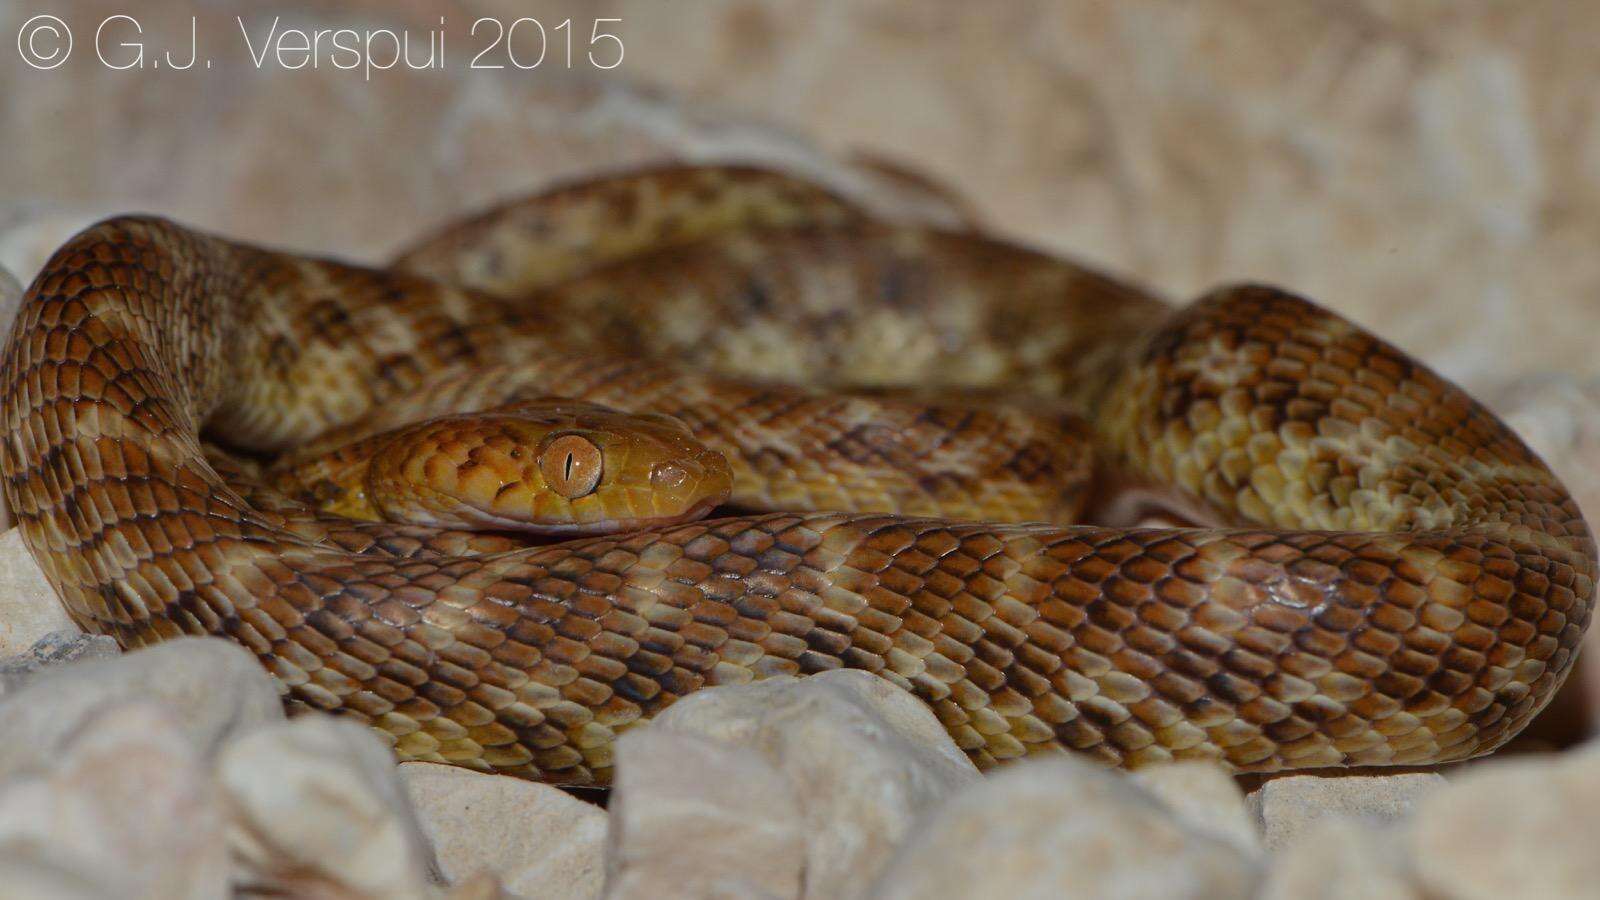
(1387, 575)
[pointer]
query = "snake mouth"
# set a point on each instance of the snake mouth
(699, 510)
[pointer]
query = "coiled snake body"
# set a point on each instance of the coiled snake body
(1398, 579)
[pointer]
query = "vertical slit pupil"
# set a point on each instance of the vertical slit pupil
(567, 472)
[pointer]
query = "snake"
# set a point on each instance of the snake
(941, 451)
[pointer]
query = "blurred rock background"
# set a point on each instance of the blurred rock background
(1430, 168)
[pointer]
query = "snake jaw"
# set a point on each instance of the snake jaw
(616, 524)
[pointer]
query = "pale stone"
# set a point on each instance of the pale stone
(1288, 805)
(1062, 828)
(863, 756)
(1339, 858)
(10, 296)
(29, 608)
(1206, 798)
(127, 802)
(54, 649)
(25, 874)
(1515, 828)
(318, 806)
(692, 817)
(215, 688)
(538, 840)
(29, 237)
(482, 886)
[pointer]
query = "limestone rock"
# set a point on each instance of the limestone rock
(1062, 828)
(29, 608)
(318, 807)
(10, 296)
(127, 804)
(1339, 858)
(54, 649)
(28, 237)
(26, 875)
(482, 886)
(692, 817)
(863, 756)
(1288, 805)
(1516, 828)
(539, 840)
(215, 689)
(1206, 798)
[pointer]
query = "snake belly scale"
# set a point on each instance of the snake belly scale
(1398, 579)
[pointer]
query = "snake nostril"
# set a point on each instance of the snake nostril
(668, 475)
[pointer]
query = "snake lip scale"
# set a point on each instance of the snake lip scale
(1400, 579)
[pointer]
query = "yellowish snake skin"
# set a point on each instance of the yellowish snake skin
(1400, 580)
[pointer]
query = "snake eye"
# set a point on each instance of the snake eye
(571, 466)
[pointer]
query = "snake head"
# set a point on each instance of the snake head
(555, 467)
